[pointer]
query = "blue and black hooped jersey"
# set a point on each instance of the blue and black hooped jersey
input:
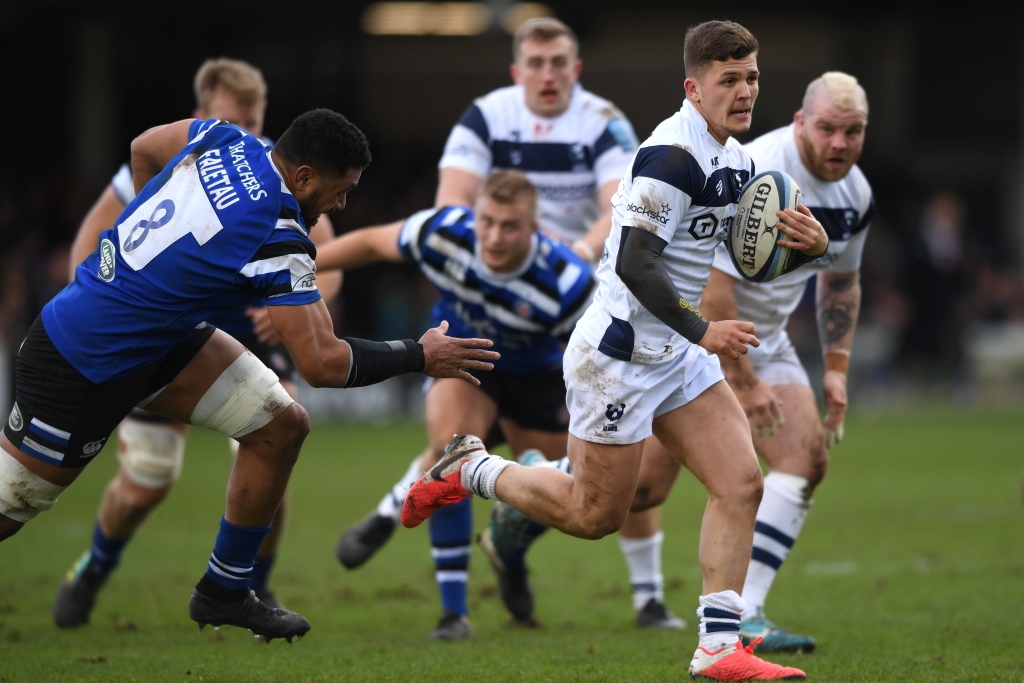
(527, 313)
(213, 230)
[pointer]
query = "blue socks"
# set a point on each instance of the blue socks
(451, 533)
(261, 572)
(105, 553)
(231, 564)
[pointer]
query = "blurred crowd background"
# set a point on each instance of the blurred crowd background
(943, 310)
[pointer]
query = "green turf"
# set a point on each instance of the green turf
(911, 568)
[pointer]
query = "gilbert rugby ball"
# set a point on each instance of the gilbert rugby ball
(752, 241)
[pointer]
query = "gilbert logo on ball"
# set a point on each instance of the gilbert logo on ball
(753, 239)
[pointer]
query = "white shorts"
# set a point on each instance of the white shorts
(615, 402)
(775, 360)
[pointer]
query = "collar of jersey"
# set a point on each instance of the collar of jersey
(270, 158)
(692, 116)
(486, 272)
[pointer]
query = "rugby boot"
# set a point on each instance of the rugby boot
(441, 484)
(773, 638)
(739, 663)
(267, 597)
(452, 626)
(513, 584)
(266, 622)
(77, 593)
(656, 615)
(364, 539)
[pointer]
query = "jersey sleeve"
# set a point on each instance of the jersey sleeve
(414, 232)
(468, 146)
(576, 288)
(613, 150)
(124, 184)
(849, 260)
(283, 269)
(665, 181)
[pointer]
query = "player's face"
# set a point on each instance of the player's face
(504, 232)
(325, 194)
(724, 94)
(224, 106)
(830, 139)
(547, 70)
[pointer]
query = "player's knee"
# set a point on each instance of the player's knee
(601, 522)
(648, 496)
(151, 456)
(295, 424)
(23, 494)
(247, 397)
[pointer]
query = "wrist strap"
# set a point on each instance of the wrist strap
(838, 360)
(371, 362)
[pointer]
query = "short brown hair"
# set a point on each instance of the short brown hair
(715, 41)
(506, 186)
(239, 78)
(542, 29)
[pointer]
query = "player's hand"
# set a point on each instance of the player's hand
(261, 325)
(762, 406)
(803, 230)
(451, 357)
(729, 338)
(834, 385)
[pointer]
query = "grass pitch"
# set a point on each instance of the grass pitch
(911, 568)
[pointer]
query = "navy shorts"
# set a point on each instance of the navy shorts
(62, 418)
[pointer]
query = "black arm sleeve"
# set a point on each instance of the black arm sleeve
(371, 362)
(641, 270)
(798, 258)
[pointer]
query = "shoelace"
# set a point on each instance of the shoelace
(754, 643)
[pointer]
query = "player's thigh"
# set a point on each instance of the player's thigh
(225, 388)
(604, 478)
(454, 406)
(710, 436)
(798, 446)
(658, 473)
(553, 445)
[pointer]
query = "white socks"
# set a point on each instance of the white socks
(779, 520)
(719, 625)
(391, 504)
(643, 557)
(479, 476)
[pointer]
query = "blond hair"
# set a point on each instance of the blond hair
(506, 186)
(542, 29)
(842, 90)
(241, 79)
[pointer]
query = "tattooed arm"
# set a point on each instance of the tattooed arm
(838, 305)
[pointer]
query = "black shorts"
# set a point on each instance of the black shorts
(62, 418)
(534, 401)
(274, 357)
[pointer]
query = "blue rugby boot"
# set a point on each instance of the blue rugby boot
(775, 639)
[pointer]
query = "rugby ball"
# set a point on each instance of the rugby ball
(753, 238)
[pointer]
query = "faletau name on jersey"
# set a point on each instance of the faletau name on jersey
(216, 180)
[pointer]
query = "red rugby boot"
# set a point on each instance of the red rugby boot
(442, 483)
(740, 664)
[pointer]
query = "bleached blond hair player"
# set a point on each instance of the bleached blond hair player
(820, 150)
(640, 360)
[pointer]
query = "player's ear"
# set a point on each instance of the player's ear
(692, 88)
(513, 70)
(304, 176)
(578, 69)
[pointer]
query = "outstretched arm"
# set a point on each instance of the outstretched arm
(152, 150)
(456, 187)
(838, 307)
(101, 216)
(591, 245)
(640, 267)
(323, 360)
(361, 248)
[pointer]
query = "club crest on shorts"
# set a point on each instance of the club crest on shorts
(15, 421)
(106, 271)
(614, 413)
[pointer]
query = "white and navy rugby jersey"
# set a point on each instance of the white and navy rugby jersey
(216, 228)
(526, 313)
(567, 157)
(843, 207)
(683, 187)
